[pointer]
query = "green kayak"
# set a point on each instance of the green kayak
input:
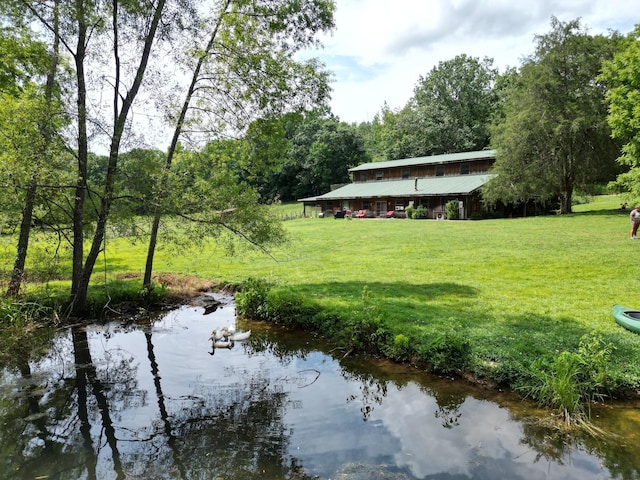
(627, 317)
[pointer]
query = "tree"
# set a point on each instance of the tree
(319, 153)
(32, 120)
(83, 29)
(553, 136)
(622, 75)
(454, 104)
(336, 147)
(248, 70)
(400, 134)
(116, 50)
(450, 111)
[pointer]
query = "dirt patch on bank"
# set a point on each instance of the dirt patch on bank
(184, 288)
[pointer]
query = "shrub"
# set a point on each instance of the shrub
(420, 212)
(290, 309)
(259, 301)
(446, 352)
(409, 211)
(364, 329)
(251, 300)
(453, 213)
(400, 349)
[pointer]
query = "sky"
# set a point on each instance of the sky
(380, 48)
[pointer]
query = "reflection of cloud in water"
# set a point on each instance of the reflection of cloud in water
(469, 448)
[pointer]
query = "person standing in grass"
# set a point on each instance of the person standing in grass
(634, 216)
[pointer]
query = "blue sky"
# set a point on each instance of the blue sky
(380, 48)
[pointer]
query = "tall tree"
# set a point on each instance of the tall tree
(334, 148)
(554, 137)
(122, 15)
(450, 111)
(319, 152)
(622, 75)
(246, 70)
(454, 104)
(32, 120)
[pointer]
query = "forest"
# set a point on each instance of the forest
(86, 86)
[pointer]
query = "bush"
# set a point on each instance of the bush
(446, 352)
(400, 349)
(290, 309)
(251, 300)
(259, 301)
(364, 329)
(420, 213)
(409, 211)
(453, 213)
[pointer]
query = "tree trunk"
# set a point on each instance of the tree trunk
(157, 213)
(81, 277)
(566, 196)
(78, 291)
(23, 240)
(17, 274)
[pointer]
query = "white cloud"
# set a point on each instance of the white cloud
(381, 47)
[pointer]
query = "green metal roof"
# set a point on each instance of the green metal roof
(430, 186)
(434, 159)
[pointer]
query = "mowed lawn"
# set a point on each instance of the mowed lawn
(523, 287)
(526, 286)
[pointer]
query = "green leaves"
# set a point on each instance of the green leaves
(552, 135)
(622, 75)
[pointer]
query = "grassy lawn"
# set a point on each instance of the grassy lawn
(517, 289)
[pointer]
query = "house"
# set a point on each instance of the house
(391, 186)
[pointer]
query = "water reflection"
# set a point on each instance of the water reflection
(147, 400)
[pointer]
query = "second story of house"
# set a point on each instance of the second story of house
(465, 163)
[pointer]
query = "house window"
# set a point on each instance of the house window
(363, 176)
(365, 205)
(440, 171)
(378, 175)
(405, 173)
(464, 169)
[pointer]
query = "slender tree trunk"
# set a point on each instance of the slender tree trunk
(23, 240)
(45, 129)
(121, 113)
(78, 297)
(86, 375)
(157, 213)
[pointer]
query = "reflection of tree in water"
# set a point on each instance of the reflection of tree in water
(289, 347)
(285, 348)
(231, 431)
(24, 431)
(235, 433)
(554, 444)
(372, 390)
(449, 403)
(238, 433)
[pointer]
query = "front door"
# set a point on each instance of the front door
(381, 208)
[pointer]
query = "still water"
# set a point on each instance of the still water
(153, 400)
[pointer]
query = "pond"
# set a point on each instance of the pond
(152, 399)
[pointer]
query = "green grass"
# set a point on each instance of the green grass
(518, 289)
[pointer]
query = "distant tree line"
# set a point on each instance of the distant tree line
(548, 120)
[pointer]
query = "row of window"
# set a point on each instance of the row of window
(464, 170)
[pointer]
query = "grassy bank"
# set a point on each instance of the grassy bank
(518, 292)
